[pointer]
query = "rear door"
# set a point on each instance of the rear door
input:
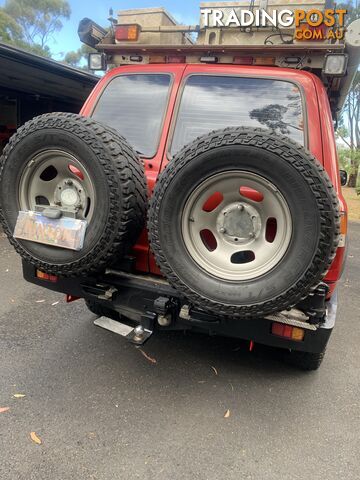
(138, 101)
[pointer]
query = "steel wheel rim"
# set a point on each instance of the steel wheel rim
(246, 229)
(80, 192)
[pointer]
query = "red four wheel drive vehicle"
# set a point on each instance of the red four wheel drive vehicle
(207, 178)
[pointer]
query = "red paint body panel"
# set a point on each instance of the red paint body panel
(319, 127)
(330, 156)
(331, 165)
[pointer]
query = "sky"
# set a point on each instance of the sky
(184, 11)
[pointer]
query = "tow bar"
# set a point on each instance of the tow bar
(137, 335)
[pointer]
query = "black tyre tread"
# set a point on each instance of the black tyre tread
(304, 360)
(122, 230)
(318, 181)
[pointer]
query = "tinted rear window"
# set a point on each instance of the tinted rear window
(215, 102)
(135, 106)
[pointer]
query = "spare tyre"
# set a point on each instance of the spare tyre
(104, 180)
(244, 223)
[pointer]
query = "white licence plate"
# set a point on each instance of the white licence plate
(64, 232)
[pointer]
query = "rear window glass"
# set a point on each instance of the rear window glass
(135, 106)
(214, 102)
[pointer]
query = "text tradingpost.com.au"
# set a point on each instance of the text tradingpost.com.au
(213, 17)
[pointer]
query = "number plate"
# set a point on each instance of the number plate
(64, 232)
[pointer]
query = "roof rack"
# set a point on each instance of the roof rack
(151, 35)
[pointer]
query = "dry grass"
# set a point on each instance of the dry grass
(353, 202)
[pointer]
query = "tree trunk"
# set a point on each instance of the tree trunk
(353, 177)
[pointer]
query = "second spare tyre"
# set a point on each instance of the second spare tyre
(75, 165)
(244, 223)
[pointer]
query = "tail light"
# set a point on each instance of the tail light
(264, 61)
(46, 276)
(287, 331)
(243, 60)
(124, 33)
(343, 226)
(176, 59)
(254, 61)
(157, 59)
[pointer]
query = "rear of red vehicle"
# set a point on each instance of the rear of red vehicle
(160, 110)
(319, 136)
(199, 187)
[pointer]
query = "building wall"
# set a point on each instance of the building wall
(16, 108)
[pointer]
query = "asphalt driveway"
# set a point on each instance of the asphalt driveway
(103, 410)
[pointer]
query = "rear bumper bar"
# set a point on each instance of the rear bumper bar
(146, 300)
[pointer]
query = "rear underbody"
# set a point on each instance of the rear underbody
(150, 302)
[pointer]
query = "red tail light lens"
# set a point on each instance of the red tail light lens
(176, 59)
(46, 276)
(125, 33)
(243, 60)
(287, 331)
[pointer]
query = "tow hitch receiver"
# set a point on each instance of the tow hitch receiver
(137, 335)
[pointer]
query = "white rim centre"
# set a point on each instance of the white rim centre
(69, 197)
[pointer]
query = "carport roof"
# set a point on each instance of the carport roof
(28, 73)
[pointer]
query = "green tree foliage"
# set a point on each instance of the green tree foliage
(30, 24)
(344, 159)
(349, 129)
(78, 58)
(348, 158)
(9, 29)
(349, 125)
